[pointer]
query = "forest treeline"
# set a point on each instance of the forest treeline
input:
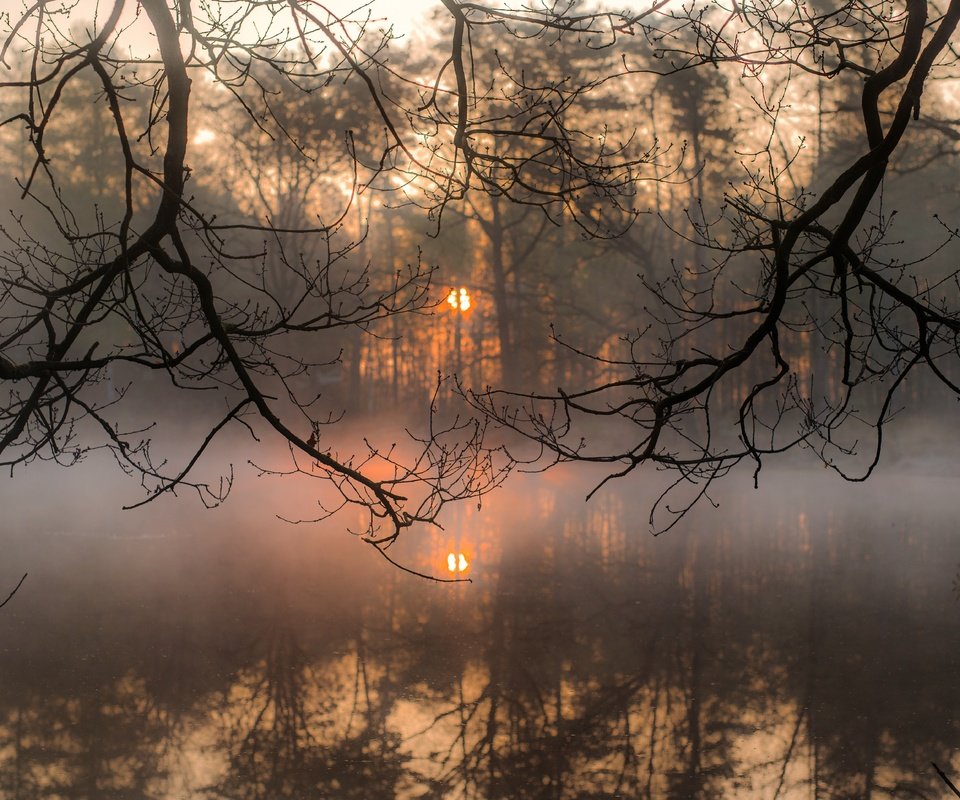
(713, 236)
(550, 305)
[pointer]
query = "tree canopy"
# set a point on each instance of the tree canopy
(262, 206)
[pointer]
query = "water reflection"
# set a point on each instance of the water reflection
(457, 562)
(774, 651)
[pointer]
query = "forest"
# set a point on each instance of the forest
(350, 354)
(668, 237)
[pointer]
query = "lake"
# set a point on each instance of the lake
(799, 641)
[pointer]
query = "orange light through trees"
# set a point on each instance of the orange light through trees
(457, 562)
(459, 300)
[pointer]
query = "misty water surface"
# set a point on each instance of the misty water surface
(801, 641)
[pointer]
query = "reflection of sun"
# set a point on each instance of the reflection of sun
(457, 562)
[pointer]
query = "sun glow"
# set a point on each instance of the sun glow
(459, 300)
(457, 562)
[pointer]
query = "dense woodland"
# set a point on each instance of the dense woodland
(685, 238)
(542, 288)
(690, 238)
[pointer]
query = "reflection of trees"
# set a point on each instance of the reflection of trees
(721, 691)
(104, 742)
(570, 701)
(584, 662)
(282, 730)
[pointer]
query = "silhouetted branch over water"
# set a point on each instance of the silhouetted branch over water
(946, 780)
(15, 588)
(687, 248)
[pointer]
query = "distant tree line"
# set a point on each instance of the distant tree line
(722, 233)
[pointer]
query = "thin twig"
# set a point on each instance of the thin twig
(946, 780)
(9, 596)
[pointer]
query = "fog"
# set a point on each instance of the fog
(510, 403)
(796, 639)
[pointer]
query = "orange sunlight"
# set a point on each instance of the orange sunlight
(459, 301)
(457, 563)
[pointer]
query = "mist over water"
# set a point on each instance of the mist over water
(799, 641)
(623, 239)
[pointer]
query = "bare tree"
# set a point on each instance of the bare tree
(169, 275)
(160, 284)
(224, 295)
(795, 317)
